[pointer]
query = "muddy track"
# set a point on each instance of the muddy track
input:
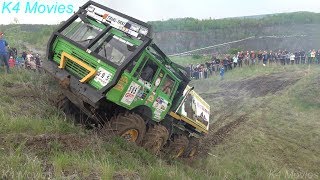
(48, 142)
(229, 95)
(220, 135)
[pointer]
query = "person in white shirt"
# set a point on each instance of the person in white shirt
(292, 56)
(235, 60)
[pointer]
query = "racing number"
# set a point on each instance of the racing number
(102, 74)
(133, 89)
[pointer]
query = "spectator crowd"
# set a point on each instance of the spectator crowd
(251, 58)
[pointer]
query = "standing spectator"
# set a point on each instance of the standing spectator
(283, 58)
(230, 63)
(213, 66)
(4, 56)
(259, 56)
(309, 57)
(279, 57)
(313, 56)
(292, 57)
(225, 63)
(265, 58)
(270, 57)
(205, 72)
(235, 60)
(218, 65)
(246, 59)
(303, 57)
(222, 72)
(253, 57)
(297, 57)
(209, 68)
(240, 58)
(318, 57)
(287, 57)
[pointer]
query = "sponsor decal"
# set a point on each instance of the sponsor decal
(131, 93)
(121, 83)
(160, 105)
(196, 108)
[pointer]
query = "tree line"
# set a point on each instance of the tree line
(178, 35)
(192, 24)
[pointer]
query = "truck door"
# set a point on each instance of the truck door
(163, 96)
(142, 83)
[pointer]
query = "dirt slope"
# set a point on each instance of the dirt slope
(230, 98)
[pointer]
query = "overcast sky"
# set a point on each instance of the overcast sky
(150, 10)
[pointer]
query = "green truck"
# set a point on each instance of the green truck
(108, 66)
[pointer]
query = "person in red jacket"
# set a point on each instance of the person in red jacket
(11, 62)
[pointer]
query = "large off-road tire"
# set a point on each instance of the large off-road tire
(62, 102)
(155, 138)
(178, 145)
(192, 148)
(130, 126)
(70, 110)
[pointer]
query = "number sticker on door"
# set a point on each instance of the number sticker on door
(131, 93)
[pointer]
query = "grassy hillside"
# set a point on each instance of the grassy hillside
(266, 123)
(265, 126)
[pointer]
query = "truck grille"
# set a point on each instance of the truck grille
(71, 66)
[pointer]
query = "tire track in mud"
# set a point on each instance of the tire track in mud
(220, 135)
(48, 142)
(254, 87)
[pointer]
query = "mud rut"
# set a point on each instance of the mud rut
(233, 94)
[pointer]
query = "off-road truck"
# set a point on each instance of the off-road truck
(108, 66)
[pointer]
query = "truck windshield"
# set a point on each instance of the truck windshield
(113, 48)
(81, 32)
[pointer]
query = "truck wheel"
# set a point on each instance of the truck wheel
(130, 126)
(178, 145)
(192, 148)
(155, 138)
(62, 103)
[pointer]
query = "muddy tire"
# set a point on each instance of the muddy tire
(59, 101)
(62, 103)
(178, 146)
(129, 126)
(155, 138)
(192, 148)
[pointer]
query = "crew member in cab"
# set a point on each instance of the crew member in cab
(167, 87)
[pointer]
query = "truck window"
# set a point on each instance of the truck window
(148, 71)
(113, 48)
(167, 85)
(81, 32)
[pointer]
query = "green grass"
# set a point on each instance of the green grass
(280, 138)
(186, 60)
